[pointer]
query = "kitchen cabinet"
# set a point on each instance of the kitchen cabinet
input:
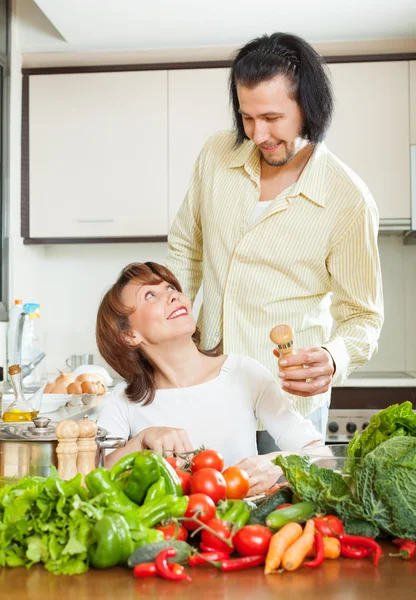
(198, 107)
(370, 130)
(98, 155)
(412, 79)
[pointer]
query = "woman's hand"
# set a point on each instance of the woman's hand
(261, 471)
(163, 439)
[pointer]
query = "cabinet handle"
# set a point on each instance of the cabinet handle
(95, 220)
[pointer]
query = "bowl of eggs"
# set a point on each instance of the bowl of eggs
(79, 390)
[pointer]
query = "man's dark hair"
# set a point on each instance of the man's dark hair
(267, 56)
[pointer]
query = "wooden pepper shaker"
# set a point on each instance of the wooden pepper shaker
(87, 446)
(67, 449)
(282, 337)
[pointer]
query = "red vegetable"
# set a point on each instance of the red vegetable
(210, 482)
(348, 551)
(200, 506)
(222, 529)
(238, 564)
(207, 459)
(173, 531)
(407, 549)
(319, 551)
(237, 481)
(163, 569)
(207, 557)
(173, 461)
(146, 569)
(185, 479)
(328, 526)
(362, 542)
(252, 540)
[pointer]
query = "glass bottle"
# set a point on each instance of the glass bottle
(20, 410)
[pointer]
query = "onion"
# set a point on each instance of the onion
(64, 378)
(87, 377)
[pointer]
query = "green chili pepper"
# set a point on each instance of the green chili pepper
(99, 482)
(160, 509)
(156, 490)
(146, 536)
(242, 517)
(124, 464)
(111, 542)
(233, 511)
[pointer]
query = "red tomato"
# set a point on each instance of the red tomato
(210, 482)
(200, 506)
(329, 526)
(169, 531)
(237, 481)
(185, 479)
(223, 530)
(173, 461)
(207, 459)
(252, 540)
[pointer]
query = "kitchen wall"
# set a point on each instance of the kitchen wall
(69, 280)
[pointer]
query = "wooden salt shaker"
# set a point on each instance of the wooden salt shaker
(87, 446)
(282, 337)
(67, 449)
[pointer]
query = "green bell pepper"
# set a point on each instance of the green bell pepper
(145, 473)
(156, 490)
(146, 536)
(99, 482)
(111, 542)
(158, 510)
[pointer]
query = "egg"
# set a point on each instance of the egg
(74, 388)
(88, 387)
(59, 388)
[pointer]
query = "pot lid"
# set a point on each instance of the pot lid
(39, 429)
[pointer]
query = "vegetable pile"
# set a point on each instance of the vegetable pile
(377, 490)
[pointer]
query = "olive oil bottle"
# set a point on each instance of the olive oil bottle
(20, 410)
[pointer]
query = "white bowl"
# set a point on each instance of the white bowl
(50, 402)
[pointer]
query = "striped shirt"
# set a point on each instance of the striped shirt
(310, 260)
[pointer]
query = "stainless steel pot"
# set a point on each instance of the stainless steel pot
(30, 448)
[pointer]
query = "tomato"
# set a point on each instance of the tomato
(185, 479)
(237, 481)
(173, 461)
(169, 531)
(223, 530)
(200, 506)
(207, 459)
(252, 540)
(329, 526)
(210, 482)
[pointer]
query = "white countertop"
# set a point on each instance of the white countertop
(381, 379)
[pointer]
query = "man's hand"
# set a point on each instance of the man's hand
(301, 382)
(162, 439)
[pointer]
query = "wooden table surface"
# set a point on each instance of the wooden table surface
(341, 579)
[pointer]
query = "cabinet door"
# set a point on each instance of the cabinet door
(98, 155)
(412, 67)
(370, 130)
(198, 107)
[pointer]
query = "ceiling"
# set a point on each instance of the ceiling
(86, 25)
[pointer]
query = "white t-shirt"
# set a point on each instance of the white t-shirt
(257, 211)
(220, 414)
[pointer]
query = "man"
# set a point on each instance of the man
(274, 225)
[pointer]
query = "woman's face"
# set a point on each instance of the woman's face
(161, 313)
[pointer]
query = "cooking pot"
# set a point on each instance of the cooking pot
(30, 448)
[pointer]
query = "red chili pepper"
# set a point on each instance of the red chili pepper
(206, 548)
(362, 542)
(176, 568)
(146, 569)
(329, 526)
(399, 541)
(163, 566)
(284, 505)
(206, 557)
(348, 551)
(238, 564)
(319, 551)
(407, 549)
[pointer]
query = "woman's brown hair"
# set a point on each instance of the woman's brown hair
(113, 319)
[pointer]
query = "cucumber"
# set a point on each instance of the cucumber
(298, 513)
(269, 504)
(149, 552)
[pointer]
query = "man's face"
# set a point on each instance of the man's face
(272, 119)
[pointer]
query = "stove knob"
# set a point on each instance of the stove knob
(364, 425)
(351, 427)
(333, 427)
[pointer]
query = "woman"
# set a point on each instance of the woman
(178, 398)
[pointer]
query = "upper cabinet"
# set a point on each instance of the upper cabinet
(412, 67)
(98, 156)
(198, 107)
(370, 130)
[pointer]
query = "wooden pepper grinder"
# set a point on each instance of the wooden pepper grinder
(87, 447)
(282, 337)
(67, 449)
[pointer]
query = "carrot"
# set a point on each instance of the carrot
(279, 542)
(294, 555)
(332, 548)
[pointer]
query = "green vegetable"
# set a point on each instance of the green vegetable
(160, 509)
(362, 528)
(148, 553)
(397, 420)
(145, 473)
(237, 513)
(111, 542)
(298, 513)
(156, 490)
(270, 503)
(99, 482)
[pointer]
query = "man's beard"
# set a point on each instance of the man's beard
(279, 162)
